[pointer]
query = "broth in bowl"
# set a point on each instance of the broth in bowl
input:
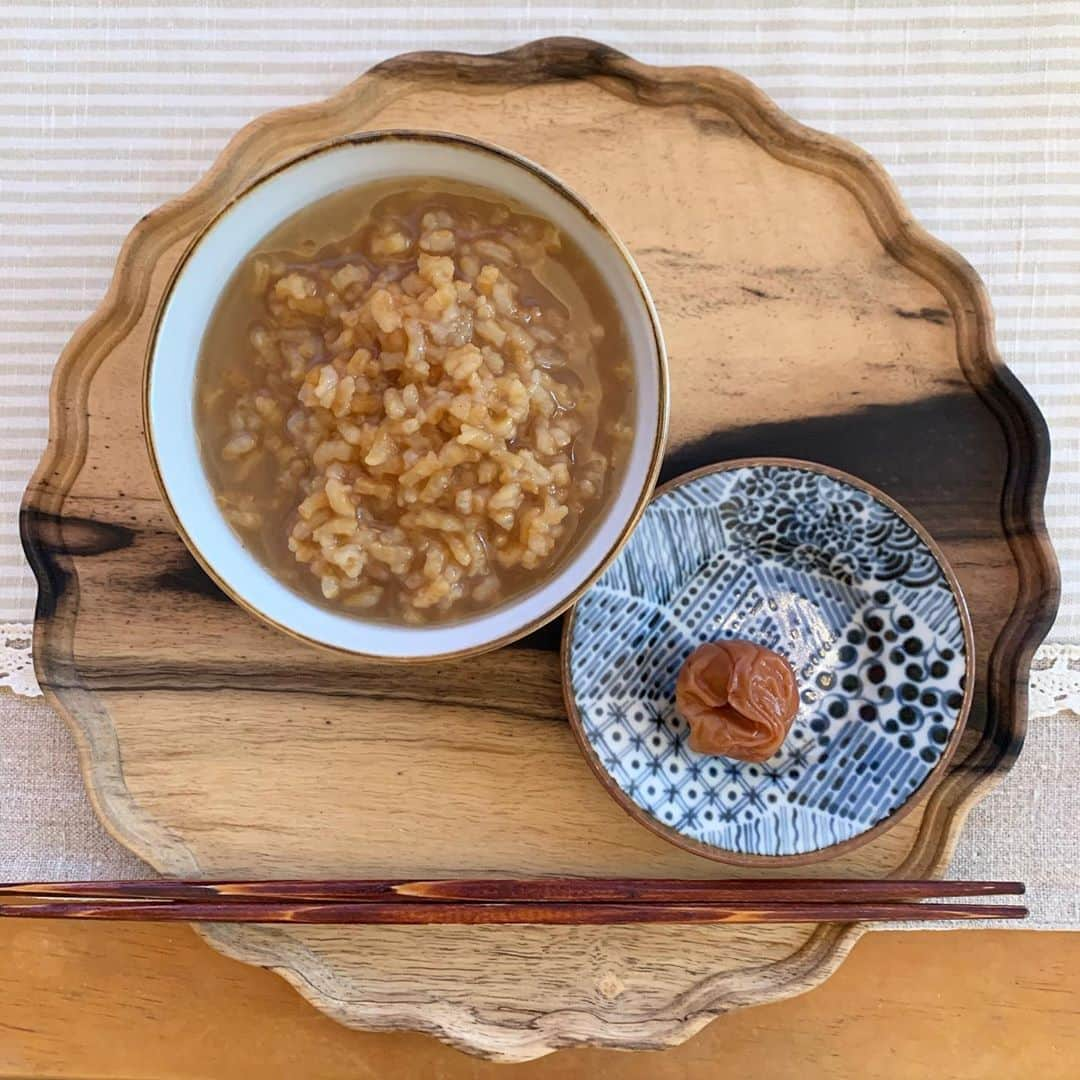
(413, 400)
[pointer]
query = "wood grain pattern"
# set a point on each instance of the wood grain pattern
(524, 913)
(534, 890)
(805, 316)
(117, 1001)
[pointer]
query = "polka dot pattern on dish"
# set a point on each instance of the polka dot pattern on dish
(829, 576)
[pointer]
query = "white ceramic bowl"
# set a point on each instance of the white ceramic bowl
(189, 303)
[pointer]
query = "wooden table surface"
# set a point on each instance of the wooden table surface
(125, 1001)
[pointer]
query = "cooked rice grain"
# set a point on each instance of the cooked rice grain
(431, 427)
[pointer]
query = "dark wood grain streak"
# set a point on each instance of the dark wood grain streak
(935, 455)
(805, 314)
(189, 577)
(928, 454)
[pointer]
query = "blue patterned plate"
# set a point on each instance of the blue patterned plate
(828, 572)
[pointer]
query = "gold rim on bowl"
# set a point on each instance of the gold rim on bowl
(662, 372)
(844, 847)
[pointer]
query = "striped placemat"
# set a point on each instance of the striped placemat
(107, 110)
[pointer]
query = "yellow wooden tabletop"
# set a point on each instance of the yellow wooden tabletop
(126, 1001)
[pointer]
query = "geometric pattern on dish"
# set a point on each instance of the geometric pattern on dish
(826, 575)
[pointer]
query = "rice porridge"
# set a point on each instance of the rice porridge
(413, 399)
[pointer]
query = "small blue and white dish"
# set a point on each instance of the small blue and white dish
(825, 570)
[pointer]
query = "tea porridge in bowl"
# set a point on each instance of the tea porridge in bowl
(413, 400)
(406, 396)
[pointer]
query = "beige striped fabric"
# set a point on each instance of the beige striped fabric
(108, 108)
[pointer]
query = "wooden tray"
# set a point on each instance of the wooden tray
(806, 316)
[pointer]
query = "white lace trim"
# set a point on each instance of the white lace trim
(1055, 672)
(16, 659)
(1055, 681)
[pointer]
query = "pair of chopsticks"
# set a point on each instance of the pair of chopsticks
(562, 901)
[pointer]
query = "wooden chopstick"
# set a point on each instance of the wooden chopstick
(481, 912)
(518, 890)
(564, 901)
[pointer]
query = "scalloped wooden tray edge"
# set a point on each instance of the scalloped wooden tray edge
(1025, 431)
